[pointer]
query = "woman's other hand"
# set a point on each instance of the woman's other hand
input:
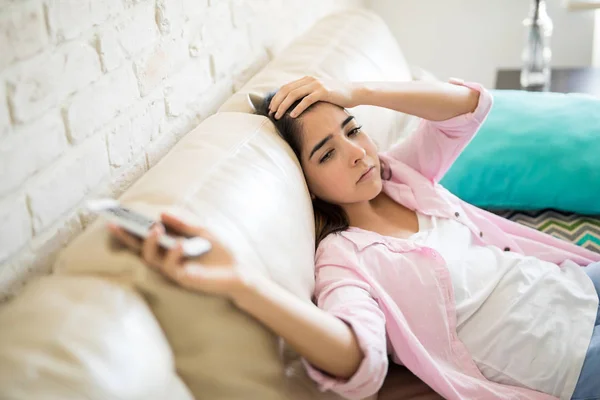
(311, 89)
(215, 272)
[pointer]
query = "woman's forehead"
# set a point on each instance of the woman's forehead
(323, 119)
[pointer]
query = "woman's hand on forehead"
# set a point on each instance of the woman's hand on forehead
(312, 90)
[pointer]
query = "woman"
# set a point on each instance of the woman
(476, 306)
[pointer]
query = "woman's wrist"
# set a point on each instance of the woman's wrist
(248, 291)
(360, 93)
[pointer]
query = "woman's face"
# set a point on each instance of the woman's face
(336, 154)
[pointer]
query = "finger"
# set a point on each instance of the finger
(130, 241)
(306, 102)
(182, 227)
(283, 92)
(171, 265)
(150, 246)
(294, 95)
(456, 81)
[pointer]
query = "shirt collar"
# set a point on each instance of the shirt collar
(362, 239)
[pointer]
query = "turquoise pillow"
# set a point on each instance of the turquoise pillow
(534, 151)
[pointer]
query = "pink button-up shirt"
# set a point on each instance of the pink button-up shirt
(397, 295)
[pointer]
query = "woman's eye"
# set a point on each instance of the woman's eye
(326, 156)
(355, 131)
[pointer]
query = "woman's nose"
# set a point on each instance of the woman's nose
(358, 154)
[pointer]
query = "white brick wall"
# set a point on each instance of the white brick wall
(95, 92)
(22, 32)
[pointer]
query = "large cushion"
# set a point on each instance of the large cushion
(534, 151)
(233, 175)
(84, 338)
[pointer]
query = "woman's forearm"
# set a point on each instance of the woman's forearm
(323, 340)
(435, 101)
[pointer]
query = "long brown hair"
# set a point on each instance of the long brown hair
(329, 218)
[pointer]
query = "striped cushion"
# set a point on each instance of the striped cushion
(583, 230)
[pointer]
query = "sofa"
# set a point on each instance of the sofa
(104, 326)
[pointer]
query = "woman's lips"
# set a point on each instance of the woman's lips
(368, 174)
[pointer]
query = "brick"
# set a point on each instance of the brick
(139, 30)
(158, 115)
(109, 48)
(218, 25)
(180, 126)
(213, 98)
(67, 19)
(187, 85)
(59, 188)
(132, 3)
(158, 148)
(154, 66)
(192, 34)
(15, 225)
(119, 143)
(251, 66)
(244, 12)
(31, 148)
(196, 15)
(145, 126)
(22, 31)
(127, 176)
(135, 32)
(4, 113)
(227, 59)
(169, 16)
(132, 132)
(194, 10)
(44, 81)
(93, 107)
(38, 258)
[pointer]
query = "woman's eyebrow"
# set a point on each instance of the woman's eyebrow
(319, 145)
(322, 142)
(346, 121)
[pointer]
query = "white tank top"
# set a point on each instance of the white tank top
(526, 322)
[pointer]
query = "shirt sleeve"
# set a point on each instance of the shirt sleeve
(435, 145)
(341, 293)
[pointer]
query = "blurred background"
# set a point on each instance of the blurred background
(473, 38)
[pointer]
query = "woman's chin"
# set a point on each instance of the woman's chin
(373, 191)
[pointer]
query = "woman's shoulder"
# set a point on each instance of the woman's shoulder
(333, 241)
(334, 246)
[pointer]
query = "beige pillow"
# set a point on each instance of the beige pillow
(84, 338)
(233, 175)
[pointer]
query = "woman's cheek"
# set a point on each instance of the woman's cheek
(330, 184)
